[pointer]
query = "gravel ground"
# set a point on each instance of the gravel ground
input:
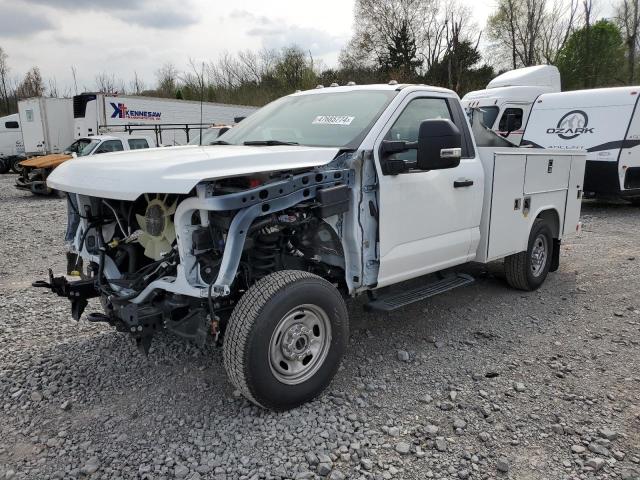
(483, 382)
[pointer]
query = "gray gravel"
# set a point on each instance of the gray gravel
(495, 383)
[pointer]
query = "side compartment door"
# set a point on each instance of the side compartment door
(428, 220)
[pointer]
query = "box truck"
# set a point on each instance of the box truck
(258, 238)
(172, 122)
(47, 124)
(11, 145)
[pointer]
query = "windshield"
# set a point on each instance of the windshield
(488, 117)
(331, 119)
(82, 146)
(208, 135)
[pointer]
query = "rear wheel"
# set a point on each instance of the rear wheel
(285, 339)
(528, 270)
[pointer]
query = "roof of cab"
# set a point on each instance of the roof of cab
(375, 86)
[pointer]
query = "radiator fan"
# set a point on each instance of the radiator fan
(158, 231)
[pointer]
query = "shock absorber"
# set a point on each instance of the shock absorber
(266, 252)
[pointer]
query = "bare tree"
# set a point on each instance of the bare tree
(533, 31)
(74, 74)
(395, 33)
(628, 19)
(137, 85)
(4, 81)
(560, 21)
(32, 84)
(105, 83)
(167, 77)
(53, 88)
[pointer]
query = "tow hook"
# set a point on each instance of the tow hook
(78, 292)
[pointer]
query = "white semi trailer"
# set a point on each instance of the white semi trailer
(172, 122)
(47, 124)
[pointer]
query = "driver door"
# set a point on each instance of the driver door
(428, 220)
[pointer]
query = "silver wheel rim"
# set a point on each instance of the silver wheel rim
(299, 344)
(539, 255)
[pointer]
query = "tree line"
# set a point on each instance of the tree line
(434, 42)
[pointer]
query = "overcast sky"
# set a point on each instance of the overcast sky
(122, 36)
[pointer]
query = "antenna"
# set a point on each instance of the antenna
(201, 99)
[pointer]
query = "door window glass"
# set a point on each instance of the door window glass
(110, 146)
(29, 114)
(408, 123)
(517, 120)
(137, 143)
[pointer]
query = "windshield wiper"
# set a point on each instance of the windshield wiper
(218, 142)
(268, 142)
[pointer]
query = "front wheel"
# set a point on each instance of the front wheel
(16, 167)
(528, 270)
(285, 339)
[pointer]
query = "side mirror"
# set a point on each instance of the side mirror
(439, 145)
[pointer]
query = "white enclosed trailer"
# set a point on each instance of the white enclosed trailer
(11, 145)
(509, 97)
(606, 123)
(47, 124)
(172, 122)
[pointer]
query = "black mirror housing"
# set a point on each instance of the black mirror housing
(439, 145)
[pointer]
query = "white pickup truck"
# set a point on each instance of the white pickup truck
(319, 196)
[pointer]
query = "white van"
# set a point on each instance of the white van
(605, 122)
(506, 102)
(11, 146)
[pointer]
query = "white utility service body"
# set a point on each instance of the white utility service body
(170, 121)
(11, 144)
(47, 124)
(606, 123)
(512, 93)
(363, 187)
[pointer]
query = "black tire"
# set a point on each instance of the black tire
(521, 270)
(16, 167)
(635, 202)
(256, 325)
(4, 165)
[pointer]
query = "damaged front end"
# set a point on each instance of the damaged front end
(181, 262)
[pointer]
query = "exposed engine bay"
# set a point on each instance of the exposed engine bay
(181, 262)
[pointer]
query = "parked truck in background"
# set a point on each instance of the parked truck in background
(509, 98)
(46, 124)
(525, 106)
(319, 196)
(11, 144)
(171, 122)
(35, 170)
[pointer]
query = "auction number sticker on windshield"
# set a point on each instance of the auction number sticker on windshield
(333, 120)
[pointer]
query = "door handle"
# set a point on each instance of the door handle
(462, 183)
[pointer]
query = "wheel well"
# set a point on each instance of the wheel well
(551, 218)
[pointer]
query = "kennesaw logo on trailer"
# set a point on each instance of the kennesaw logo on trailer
(120, 110)
(572, 125)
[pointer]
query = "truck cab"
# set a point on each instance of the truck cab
(259, 238)
(11, 144)
(506, 103)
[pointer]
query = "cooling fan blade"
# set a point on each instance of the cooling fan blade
(158, 231)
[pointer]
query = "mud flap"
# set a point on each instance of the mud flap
(555, 257)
